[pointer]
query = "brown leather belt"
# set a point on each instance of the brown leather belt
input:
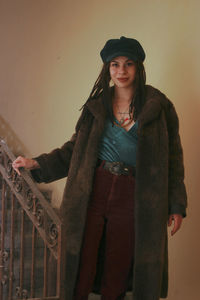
(118, 168)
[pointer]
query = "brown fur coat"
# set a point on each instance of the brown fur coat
(159, 191)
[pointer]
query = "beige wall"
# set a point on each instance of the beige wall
(50, 59)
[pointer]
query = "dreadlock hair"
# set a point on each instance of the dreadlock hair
(102, 88)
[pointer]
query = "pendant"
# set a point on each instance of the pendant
(121, 121)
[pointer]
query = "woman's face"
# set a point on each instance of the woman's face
(122, 71)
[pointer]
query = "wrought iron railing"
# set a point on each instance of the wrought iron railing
(31, 249)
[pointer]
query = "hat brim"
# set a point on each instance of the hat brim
(121, 53)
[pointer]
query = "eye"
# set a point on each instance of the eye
(113, 64)
(130, 63)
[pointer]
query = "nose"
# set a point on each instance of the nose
(122, 69)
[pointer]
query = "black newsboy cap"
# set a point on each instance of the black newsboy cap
(122, 47)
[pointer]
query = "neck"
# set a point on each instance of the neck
(123, 95)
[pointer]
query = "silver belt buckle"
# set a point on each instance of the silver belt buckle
(116, 168)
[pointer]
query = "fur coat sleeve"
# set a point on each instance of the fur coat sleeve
(177, 193)
(54, 165)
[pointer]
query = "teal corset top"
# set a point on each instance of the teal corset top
(117, 144)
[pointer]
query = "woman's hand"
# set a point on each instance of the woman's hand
(27, 163)
(177, 218)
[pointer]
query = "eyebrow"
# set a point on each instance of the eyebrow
(118, 60)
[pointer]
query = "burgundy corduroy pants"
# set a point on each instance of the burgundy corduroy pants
(111, 209)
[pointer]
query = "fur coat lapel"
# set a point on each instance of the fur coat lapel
(150, 111)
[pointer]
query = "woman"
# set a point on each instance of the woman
(125, 182)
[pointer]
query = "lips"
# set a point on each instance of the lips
(122, 79)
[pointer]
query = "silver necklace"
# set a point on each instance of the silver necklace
(123, 115)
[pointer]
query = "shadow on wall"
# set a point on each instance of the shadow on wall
(10, 137)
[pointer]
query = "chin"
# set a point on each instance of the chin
(124, 85)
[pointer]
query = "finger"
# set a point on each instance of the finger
(19, 162)
(18, 159)
(177, 225)
(170, 220)
(17, 170)
(18, 165)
